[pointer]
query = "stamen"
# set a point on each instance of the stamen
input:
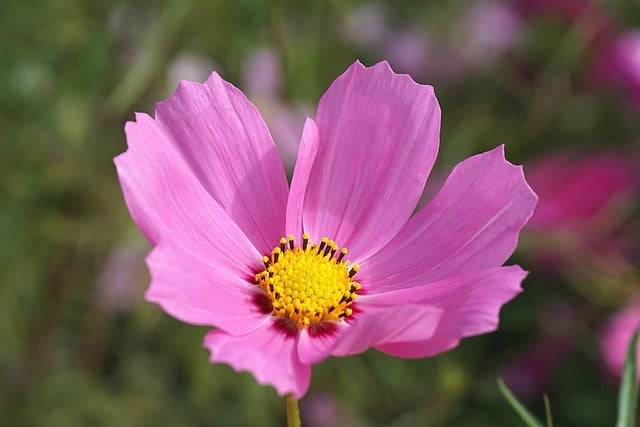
(343, 252)
(328, 248)
(323, 242)
(354, 270)
(306, 288)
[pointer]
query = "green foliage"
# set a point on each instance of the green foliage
(525, 415)
(628, 394)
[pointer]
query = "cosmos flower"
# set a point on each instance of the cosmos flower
(616, 336)
(618, 64)
(581, 222)
(577, 190)
(268, 266)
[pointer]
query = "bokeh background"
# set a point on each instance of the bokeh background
(557, 81)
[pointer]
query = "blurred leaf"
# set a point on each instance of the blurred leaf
(547, 411)
(628, 394)
(526, 416)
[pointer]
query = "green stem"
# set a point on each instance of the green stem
(293, 412)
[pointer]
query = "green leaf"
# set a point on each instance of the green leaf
(628, 394)
(547, 410)
(526, 416)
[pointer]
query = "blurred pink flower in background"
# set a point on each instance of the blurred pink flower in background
(424, 57)
(366, 26)
(580, 221)
(204, 183)
(482, 35)
(576, 191)
(618, 64)
(409, 51)
(615, 338)
(189, 66)
(615, 52)
(487, 30)
(120, 283)
(261, 75)
(322, 410)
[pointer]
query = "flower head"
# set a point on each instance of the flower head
(336, 264)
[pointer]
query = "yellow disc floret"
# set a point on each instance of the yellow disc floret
(309, 284)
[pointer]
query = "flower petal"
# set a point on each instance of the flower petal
(199, 292)
(306, 156)
(377, 326)
(225, 141)
(167, 201)
(378, 142)
(473, 223)
(267, 353)
(470, 305)
(315, 347)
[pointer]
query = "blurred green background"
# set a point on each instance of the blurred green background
(80, 347)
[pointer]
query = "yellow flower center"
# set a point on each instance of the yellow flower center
(309, 284)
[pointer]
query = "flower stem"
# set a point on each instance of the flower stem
(293, 412)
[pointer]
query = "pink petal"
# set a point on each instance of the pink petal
(313, 348)
(167, 201)
(399, 323)
(470, 305)
(267, 353)
(225, 141)
(201, 293)
(378, 142)
(472, 224)
(306, 156)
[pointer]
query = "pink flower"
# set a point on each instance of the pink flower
(410, 51)
(619, 64)
(575, 191)
(322, 410)
(261, 73)
(204, 183)
(119, 284)
(488, 29)
(616, 336)
(421, 55)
